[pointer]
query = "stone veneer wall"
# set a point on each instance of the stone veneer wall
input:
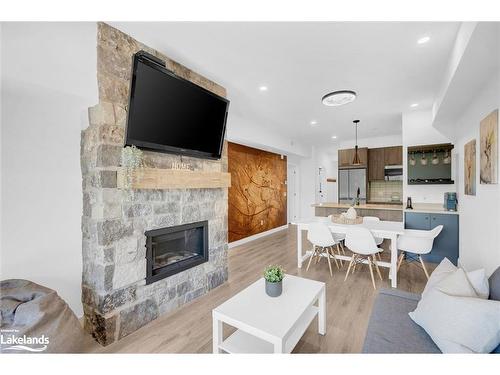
(115, 298)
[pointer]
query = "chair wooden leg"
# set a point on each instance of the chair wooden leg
(328, 259)
(401, 257)
(371, 272)
(356, 256)
(342, 246)
(332, 252)
(311, 258)
(318, 256)
(349, 268)
(338, 252)
(423, 266)
(376, 267)
(378, 256)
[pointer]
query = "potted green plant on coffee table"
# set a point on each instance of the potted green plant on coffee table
(274, 280)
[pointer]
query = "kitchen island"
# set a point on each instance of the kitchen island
(388, 212)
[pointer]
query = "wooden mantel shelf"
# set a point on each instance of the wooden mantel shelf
(156, 178)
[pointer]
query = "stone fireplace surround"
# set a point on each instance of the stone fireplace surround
(115, 297)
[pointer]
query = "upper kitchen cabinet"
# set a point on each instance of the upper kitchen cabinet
(376, 164)
(347, 156)
(393, 155)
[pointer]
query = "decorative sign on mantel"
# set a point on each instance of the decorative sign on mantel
(182, 166)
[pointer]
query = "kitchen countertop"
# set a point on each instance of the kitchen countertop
(430, 208)
(372, 206)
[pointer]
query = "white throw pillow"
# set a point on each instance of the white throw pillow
(456, 284)
(477, 278)
(479, 282)
(440, 272)
(456, 319)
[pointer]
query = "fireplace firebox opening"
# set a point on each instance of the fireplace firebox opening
(174, 249)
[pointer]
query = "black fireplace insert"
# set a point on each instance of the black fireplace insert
(175, 249)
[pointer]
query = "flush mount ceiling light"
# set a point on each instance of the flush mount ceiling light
(334, 137)
(314, 123)
(263, 88)
(338, 98)
(414, 105)
(423, 40)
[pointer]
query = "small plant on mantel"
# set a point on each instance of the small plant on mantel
(131, 161)
(274, 280)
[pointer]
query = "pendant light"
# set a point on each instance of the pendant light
(356, 160)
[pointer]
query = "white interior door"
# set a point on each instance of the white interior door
(293, 193)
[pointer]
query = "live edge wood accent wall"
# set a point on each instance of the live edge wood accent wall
(257, 196)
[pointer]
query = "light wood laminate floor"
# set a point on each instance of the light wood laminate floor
(349, 303)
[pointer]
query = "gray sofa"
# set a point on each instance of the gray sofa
(390, 329)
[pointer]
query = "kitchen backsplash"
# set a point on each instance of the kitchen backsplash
(385, 191)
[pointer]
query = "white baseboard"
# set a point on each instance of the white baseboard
(256, 236)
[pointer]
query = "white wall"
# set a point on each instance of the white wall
(461, 41)
(48, 73)
(242, 131)
(1, 169)
(373, 142)
(307, 182)
(418, 130)
(479, 214)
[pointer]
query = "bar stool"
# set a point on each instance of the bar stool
(322, 239)
(362, 243)
(417, 242)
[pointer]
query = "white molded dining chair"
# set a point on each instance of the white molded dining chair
(362, 243)
(378, 241)
(418, 242)
(339, 238)
(322, 239)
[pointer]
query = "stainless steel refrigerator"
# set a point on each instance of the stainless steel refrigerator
(349, 182)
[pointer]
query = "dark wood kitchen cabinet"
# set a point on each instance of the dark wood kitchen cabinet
(393, 155)
(376, 164)
(346, 157)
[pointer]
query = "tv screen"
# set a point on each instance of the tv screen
(170, 114)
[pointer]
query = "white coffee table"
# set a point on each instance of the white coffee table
(266, 324)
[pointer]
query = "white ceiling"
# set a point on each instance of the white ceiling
(300, 62)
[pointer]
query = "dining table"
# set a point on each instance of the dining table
(382, 229)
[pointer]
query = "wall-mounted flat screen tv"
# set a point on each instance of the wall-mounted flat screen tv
(170, 114)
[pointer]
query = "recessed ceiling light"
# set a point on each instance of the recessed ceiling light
(314, 123)
(423, 40)
(334, 137)
(263, 88)
(414, 105)
(338, 98)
